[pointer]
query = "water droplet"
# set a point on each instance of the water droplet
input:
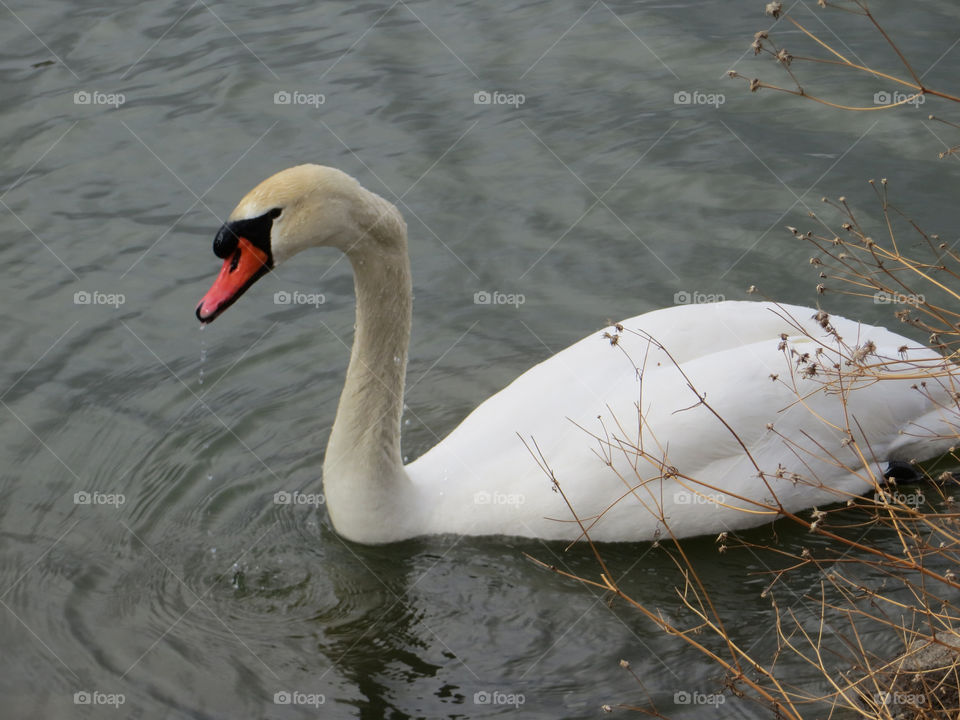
(203, 357)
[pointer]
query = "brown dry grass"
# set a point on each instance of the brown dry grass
(887, 564)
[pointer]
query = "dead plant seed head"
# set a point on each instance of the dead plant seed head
(757, 45)
(859, 262)
(861, 353)
(825, 53)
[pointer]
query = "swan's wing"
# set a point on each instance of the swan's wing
(613, 418)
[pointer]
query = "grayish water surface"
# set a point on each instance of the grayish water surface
(599, 197)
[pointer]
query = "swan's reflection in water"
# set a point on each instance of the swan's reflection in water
(377, 636)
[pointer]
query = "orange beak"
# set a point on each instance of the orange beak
(240, 270)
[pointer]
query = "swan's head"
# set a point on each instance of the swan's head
(300, 207)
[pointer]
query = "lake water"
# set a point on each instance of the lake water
(130, 132)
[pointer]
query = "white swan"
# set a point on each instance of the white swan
(482, 480)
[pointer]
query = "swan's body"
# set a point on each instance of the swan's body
(581, 405)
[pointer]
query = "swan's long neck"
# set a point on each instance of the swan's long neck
(364, 481)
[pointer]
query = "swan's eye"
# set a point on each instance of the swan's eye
(225, 243)
(256, 231)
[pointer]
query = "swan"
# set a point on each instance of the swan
(656, 382)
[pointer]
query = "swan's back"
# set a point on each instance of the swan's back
(581, 408)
